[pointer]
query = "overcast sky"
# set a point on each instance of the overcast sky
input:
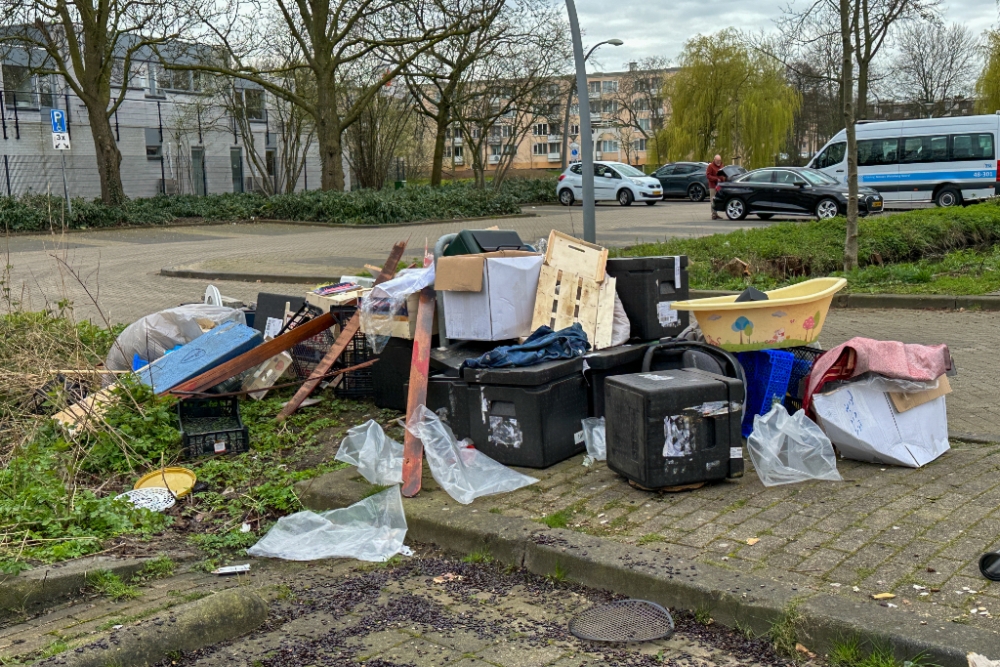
(660, 27)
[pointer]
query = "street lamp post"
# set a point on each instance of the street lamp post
(586, 137)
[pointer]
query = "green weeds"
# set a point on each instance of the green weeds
(111, 586)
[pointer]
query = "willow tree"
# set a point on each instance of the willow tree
(988, 84)
(730, 99)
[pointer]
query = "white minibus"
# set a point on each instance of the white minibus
(947, 161)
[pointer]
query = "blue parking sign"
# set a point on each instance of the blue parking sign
(58, 121)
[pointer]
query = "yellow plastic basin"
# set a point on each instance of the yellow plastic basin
(791, 316)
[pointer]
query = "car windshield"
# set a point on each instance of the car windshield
(628, 170)
(817, 177)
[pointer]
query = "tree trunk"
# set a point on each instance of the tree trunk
(847, 76)
(565, 127)
(437, 164)
(109, 158)
(861, 110)
(330, 154)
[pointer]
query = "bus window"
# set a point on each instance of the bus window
(831, 155)
(877, 152)
(972, 146)
(913, 149)
(924, 149)
(939, 149)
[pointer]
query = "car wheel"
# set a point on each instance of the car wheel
(566, 197)
(696, 192)
(651, 203)
(948, 197)
(765, 216)
(736, 209)
(826, 209)
(625, 197)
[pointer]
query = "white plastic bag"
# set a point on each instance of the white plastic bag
(621, 328)
(378, 458)
(385, 302)
(371, 530)
(465, 474)
(786, 450)
(151, 336)
(593, 437)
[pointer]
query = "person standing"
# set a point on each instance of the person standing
(715, 176)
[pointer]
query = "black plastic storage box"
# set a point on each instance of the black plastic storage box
(646, 286)
(475, 241)
(212, 426)
(391, 373)
(528, 416)
(602, 364)
(673, 428)
(448, 397)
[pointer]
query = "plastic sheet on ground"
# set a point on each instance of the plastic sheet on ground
(465, 474)
(788, 449)
(377, 457)
(593, 437)
(370, 530)
(152, 335)
(385, 302)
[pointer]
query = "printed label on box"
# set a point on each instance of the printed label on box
(735, 452)
(665, 315)
(578, 437)
(220, 447)
(272, 327)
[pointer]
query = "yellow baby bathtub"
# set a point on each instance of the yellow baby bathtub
(791, 316)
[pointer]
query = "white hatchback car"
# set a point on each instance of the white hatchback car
(612, 181)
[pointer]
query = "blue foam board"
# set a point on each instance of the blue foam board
(224, 342)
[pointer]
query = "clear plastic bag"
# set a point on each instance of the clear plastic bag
(877, 382)
(788, 449)
(378, 458)
(621, 328)
(593, 437)
(465, 474)
(385, 302)
(151, 336)
(371, 530)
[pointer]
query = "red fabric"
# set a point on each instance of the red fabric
(713, 175)
(920, 363)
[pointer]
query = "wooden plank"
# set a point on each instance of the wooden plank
(86, 412)
(413, 449)
(571, 254)
(343, 340)
(564, 298)
(255, 357)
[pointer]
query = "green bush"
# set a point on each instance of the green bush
(361, 207)
(797, 250)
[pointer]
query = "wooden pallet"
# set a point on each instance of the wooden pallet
(564, 297)
(571, 254)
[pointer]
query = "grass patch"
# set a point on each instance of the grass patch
(784, 633)
(558, 574)
(732, 507)
(558, 519)
(703, 616)
(160, 567)
(650, 538)
(111, 586)
(56, 647)
(481, 556)
(928, 251)
(852, 653)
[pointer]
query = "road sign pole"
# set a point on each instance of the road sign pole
(69, 205)
(586, 140)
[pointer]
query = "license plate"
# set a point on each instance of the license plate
(656, 192)
(876, 204)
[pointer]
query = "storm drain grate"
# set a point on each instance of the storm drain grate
(624, 621)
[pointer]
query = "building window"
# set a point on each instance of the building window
(541, 129)
(154, 76)
(553, 89)
(594, 86)
(574, 129)
(609, 86)
(554, 149)
(154, 143)
(458, 151)
(644, 124)
(641, 104)
(607, 146)
(18, 88)
(496, 149)
(253, 103)
(177, 80)
(510, 149)
(639, 145)
(270, 161)
(540, 149)
(447, 151)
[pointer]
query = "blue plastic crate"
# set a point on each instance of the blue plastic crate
(767, 375)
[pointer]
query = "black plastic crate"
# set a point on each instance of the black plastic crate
(212, 426)
(805, 357)
(602, 364)
(645, 286)
(674, 428)
(360, 383)
(527, 416)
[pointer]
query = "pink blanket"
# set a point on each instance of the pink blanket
(921, 363)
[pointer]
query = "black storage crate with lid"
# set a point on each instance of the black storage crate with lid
(602, 364)
(528, 416)
(674, 428)
(212, 426)
(646, 286)
(475, 241)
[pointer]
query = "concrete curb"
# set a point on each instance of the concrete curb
(894, 301)
(732, 598)
(43, 587)
(178, 272)
(189, 627)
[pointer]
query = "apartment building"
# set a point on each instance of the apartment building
(626, 109)
(178, 133)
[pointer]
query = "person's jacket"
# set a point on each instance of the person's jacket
(713, 175)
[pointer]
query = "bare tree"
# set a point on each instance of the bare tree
(93, 46)
(936, 63)
(639, 102)
(340, 42)
(373, 140)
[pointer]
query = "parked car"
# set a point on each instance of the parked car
(612, 181)
(683, 179)
(790, 191)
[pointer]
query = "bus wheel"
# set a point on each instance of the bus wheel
(948, 197)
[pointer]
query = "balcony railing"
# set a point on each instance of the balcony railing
(459, 160)
(553, 138)
(457, 141)
(555, 157)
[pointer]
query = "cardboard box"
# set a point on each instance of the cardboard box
(903, 402)
(864, 425)
(490, 296)
(404, 324)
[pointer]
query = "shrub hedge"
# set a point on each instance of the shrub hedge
(364, 207)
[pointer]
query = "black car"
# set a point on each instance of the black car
(683, 179)
(790, 191)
